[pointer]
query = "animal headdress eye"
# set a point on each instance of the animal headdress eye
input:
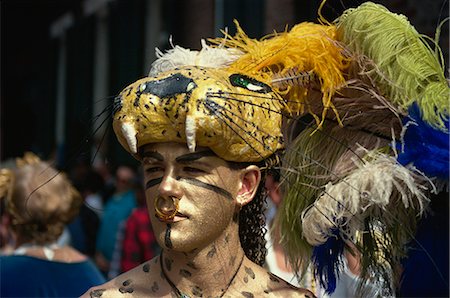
(239, 80)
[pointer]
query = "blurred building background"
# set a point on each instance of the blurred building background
(63, 61)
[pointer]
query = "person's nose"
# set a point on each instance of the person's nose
(170, 186)
(167, 201)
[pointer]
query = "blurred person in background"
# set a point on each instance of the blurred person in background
(116, 212)
(84, 228)
(40, 202)
(276, 259)
(6, 236)
(139, 243)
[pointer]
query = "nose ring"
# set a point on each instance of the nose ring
(166, 208)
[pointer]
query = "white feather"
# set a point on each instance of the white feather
(214, 57)
(376, 183)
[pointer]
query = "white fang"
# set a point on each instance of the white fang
(129, 134)
(190, 133)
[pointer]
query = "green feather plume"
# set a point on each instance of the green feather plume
(405, 67)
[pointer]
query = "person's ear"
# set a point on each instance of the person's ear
(250, 179)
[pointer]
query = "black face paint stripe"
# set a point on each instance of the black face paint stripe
(194, 156)
(153, 182)
(214, 188)
(167, 240)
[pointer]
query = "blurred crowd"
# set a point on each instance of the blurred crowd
(112, 227)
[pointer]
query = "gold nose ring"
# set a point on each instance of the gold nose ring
(166, 208)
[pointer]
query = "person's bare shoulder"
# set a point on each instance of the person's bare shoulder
(142, 281)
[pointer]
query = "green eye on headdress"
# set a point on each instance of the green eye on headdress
(239, 80)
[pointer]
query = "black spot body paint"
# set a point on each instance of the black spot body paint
(250, 272)
(245, 279)
(155, 287)
(191, 265)
(212, 252)
(96, 293)
(126, 282)
(208, 186)
(167, 240)
(247, 294)
(197, 291)
(185, 273)
(146, 268)
(124, 290)
(168, 262)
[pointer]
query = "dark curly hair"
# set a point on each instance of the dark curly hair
(252, 219)
(252, 229)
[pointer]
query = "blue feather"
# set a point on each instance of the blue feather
(327, 259)
(425, 147)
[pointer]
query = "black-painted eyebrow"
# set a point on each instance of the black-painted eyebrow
(152, 154)
(189, 157)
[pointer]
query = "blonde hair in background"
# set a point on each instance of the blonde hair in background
(40, 199)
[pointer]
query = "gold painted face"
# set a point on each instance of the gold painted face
(236, 116)
(204, 187)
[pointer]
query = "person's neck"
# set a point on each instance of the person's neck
(209, 271)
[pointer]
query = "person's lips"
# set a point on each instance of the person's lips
(178, 217)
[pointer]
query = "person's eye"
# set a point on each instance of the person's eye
(150, 170)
